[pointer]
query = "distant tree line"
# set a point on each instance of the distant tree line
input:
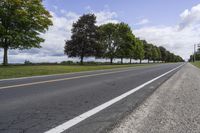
(112, 41)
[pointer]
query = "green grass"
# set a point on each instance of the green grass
(197, 64)
(35, 70)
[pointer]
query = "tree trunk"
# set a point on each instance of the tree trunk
(140, 61)
(5, 57)
(148, 61)
(111, 60)
(82, 60)
(121, 60)
(130, 61)
(82, 54)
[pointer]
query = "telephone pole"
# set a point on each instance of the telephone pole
(194, 53)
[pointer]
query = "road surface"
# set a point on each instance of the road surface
(54, 103)
(173, 108)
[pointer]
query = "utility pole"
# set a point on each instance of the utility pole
(194, 53)
(198, 48)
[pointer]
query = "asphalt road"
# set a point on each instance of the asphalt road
(36, 105)
(173, 108)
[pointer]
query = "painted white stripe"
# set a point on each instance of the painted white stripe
(78, 119)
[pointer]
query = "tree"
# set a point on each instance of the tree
(159, 54)
(168, 56)
(84, 39)
(191, 58)
(132, 50)
(21, 23)
(108, 40)
(178, 59)
(163, 53)
(124, 41)
(172, 57)
(139, 50)
(147, 50)
(195, 56)
(154, 54)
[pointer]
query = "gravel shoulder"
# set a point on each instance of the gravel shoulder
(174, 107)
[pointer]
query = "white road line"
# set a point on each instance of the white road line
(78, 119)
(62, 79)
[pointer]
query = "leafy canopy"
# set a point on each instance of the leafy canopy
(139, 49)
(124, 40)
(108, 39)
(84, 39)
(21, 22)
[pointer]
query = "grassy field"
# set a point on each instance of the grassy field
(197, 64)
(35, 70)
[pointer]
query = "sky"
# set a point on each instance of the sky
(174, 24)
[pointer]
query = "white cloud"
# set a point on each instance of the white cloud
(104, 17)
(88, 8)
(179, 38)
(62, 11)
(72, 15)
(178, 41)
(143, 22)
(190, 17)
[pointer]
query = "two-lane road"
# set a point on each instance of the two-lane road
(52, 103)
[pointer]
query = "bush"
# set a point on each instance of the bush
(67, 63)
(27, 62)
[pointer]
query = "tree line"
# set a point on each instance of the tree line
(23, 21)
(112, 41)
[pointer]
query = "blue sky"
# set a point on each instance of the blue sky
(158, 12)
(174, 24)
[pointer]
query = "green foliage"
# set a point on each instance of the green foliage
(124, 41)
(139, 49)
(27, 62)
(197, 56)
(163, 52)
(154, 54)
(117, 40)
(173, 58)
(112, 41)
(148, 50)
(21, 23)
(84, 40)
(196, 63)
(108, 40)
(159, 54)
(67, 62)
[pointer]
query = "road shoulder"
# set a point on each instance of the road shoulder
(174, 107)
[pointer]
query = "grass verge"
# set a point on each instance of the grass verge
(36, 70)
(197, 64)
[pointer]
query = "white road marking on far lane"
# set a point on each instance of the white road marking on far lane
(68, 124)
